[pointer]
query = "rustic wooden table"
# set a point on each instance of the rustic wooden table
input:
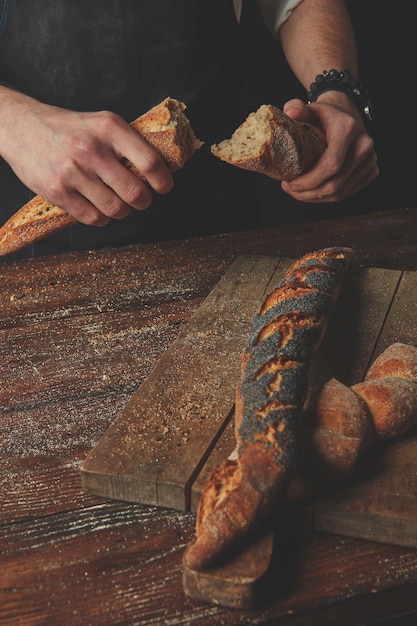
(78, 335)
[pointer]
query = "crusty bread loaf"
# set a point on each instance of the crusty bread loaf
(392, 404)
(340, 423)
(168, 130)
(334, 429)
(269, 401)
(390, 390)
(271, 143)
(165, 127)
(399, 359)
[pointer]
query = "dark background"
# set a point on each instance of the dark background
(387, 53)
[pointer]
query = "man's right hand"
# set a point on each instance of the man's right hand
(74, 160)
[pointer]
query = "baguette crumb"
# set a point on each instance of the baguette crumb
(248, 140)
(271, 143)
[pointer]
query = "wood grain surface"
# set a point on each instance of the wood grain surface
(178, 425)
(78, 336)
(161, 439)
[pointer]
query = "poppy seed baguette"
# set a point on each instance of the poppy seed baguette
(270, 397)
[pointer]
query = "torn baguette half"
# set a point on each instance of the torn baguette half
(165, 127)
(271, 143)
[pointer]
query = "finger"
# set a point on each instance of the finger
(344, 142)
(145, 159)
(340, 187)
(361, 178)
(365, 173)
(84, 198)
(83, 210)
(333, 161)
(95, 198)
(336, 166)
(129, 190)
(128, 145)
(296, 109)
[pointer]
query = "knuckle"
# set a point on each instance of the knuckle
(82, 145)
(350, 124)
(132, 193)
(80, 149)
(145, 198)
(91, 219)
(368, 144)
(107, 121)
(113, 207)
(95, 219)
(166, 185)
(153, 171)
(151, 162)
(332, 166)
(138, 195)
(332, 190)
(56, 190)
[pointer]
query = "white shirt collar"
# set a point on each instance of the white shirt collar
(274, 12)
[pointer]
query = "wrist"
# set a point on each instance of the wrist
(16, 109)
(341, 101)
(334, 82)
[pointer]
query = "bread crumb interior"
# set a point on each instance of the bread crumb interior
(249, 138)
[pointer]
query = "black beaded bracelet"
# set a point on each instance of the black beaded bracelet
(344, 82)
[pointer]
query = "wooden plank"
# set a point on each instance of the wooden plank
(240, 584)
(401, 321)
(154, 449)
(379, 501)
(250, 574)
(355, 325)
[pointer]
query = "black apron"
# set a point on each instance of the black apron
(126, 56)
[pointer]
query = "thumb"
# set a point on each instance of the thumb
(296, 109)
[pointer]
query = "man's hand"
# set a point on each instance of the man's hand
(348, 164)
(74, 160)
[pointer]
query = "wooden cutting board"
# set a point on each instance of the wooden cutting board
(162, 439)
(179, 424)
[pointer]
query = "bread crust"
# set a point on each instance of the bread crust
(165, 127)
(392, 404)
(286, 450)
(277, 146)
(168, 130)
(34, 221)
(341, 422)
(269, 401)
(399, 359)
(334, 429)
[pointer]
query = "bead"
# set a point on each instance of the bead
(344, 82)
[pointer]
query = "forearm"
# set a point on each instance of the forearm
(319, 36)
(16, 109)
(76, 159)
